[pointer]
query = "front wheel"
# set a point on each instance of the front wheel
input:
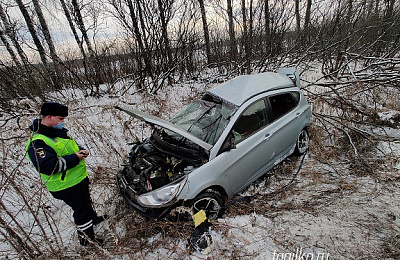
(211, 201)
(302, 142)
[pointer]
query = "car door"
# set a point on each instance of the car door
(262, 148)
(251, 152)
(285, 125)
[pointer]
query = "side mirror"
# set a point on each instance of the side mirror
(229, 144)
(232, 142)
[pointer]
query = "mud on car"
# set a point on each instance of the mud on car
(216, 146)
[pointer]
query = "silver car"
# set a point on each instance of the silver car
(216, 146)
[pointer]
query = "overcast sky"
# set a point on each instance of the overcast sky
(60, 30)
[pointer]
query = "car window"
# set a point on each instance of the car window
(251, 120)
(282, 104)
(205, 119)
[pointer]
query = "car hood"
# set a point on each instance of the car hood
(153, 120)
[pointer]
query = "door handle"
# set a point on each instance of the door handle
(298, 114)
(267, 136)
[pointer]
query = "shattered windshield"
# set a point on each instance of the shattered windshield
(205, 118)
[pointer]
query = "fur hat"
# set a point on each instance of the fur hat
(54, 109)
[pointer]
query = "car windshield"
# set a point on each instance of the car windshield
(205, 118)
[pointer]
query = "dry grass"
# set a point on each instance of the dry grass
(344, 200)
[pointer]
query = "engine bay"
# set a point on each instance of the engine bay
(148, 169)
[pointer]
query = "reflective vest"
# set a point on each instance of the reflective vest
(61, 180)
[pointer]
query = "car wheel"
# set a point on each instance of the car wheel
(302, 142)
(211, 201)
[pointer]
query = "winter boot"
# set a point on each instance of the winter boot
(86, 237)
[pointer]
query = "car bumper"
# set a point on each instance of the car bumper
(129, 196)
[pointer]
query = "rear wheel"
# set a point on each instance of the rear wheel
(302, 142)
(211, 201)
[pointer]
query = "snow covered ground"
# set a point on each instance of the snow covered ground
(330, 210)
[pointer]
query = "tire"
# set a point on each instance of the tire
(302, 142)
(211, 201)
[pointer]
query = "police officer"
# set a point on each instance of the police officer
(60, 162)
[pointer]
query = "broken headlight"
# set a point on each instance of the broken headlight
(163, 196)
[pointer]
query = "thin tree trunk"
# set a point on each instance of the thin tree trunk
(246, 48)
(232, 38)
(142, 52)
(377, 4)
(50, 44)
(32, 31)
(81, 26)
(267, 17)
(389, 9)
(164, 31)
(42, 53)
(298, 19)
(307, 22)
(250, 35)
(46, 31)
(149, 64)
(78, 40)
(73, 29)
(9, 48)
(93, 58)
(11, 35)
(205, 30)
(24, 66)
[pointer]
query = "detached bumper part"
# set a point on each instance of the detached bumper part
(200, 240)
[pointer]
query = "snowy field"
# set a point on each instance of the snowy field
(332, 209)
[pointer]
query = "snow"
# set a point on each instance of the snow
(326, 212)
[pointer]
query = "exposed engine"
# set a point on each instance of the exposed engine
(148, 169)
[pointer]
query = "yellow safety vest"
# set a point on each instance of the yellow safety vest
(61, 180)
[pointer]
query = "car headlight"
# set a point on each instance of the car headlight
(162, 196)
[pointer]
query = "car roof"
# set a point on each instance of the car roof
(241, 88)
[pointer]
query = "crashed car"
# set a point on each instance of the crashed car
(216, 146)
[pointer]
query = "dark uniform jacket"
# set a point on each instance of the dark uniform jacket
(43, 156)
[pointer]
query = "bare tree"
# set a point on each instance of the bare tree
(94, 65)
(144, 34)
(302, 33)
(76, 36)
(298, 18)
(205, 30)
(389, 8)
(9, 31)
(142, 50)
(267, 17)
(9, 48)
(47, 36)
(33, 32)
(46, 32)
(246, 38)
(54, 80)
(231, 29)
(19, 80)
(307, 22)
(130, 15)
(163, 9)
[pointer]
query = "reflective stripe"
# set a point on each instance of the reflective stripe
(85, 226)
(62, 164)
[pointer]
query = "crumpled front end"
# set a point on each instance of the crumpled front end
(150, 180)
